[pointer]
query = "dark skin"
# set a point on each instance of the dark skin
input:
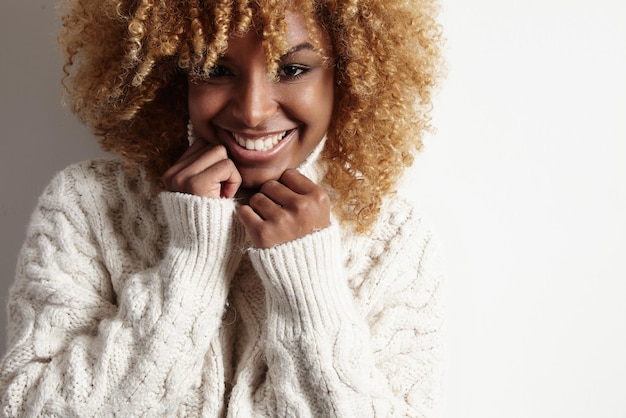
(282, 210)
(237, 106)
(285, 209)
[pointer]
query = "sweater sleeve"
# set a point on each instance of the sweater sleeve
(78, 348)
(327, 358)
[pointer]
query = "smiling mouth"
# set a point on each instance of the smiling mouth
(263, 143)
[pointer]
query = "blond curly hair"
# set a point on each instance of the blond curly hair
(127, 63)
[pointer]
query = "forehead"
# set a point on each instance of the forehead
(299, 32)
(297, 28)
(276, 31)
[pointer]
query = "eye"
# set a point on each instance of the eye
(200, 74)
(290, 72)
(218, 71)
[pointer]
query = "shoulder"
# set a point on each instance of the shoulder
(401, 240)
(97, 173)
(398, 263)
(399, 222)
(100, 208)
(93, 193)
(96, 182)
(400, 219)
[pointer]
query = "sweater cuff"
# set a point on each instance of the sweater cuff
(204, 239)
(307, 290)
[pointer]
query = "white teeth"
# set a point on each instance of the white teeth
(261, 144)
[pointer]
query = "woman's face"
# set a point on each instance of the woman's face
(267, 124)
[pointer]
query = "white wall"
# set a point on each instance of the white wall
(524, 181)
(527, 184)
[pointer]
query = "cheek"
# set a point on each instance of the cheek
(326, 98)
(203, 102)
(324, 109)
(315, 105)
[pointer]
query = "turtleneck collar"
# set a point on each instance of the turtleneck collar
(312, 166)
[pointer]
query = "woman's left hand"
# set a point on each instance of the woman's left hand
(284, 210)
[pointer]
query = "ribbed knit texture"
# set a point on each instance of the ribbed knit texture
(129, 304)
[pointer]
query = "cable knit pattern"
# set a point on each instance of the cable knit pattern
(131, 304)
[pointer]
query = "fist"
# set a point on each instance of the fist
(285, 210)
(203, 170)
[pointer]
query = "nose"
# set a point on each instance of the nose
(254, 101)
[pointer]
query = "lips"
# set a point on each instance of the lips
(259, 143)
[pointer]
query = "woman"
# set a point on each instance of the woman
(245, 254)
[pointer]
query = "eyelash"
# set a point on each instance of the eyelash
(302, 71)
(212, 73)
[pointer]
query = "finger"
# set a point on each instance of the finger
(303, 192)
(262, 233)
(198, 144)
(221, 179)
(187, 158)
(309, 200)
(206, 171)
(232, 179)
(278, 192)
(198, 148)
(204, 157)
(265, 207)
(196, 162)
(249, 218)
(297, 182)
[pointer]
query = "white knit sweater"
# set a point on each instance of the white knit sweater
(131, 305)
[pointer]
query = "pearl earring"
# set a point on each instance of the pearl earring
(191, 136)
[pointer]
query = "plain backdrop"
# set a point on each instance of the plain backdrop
(524, 182)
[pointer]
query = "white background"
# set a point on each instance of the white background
(524, 181)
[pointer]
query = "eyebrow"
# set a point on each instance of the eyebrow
(300, 47)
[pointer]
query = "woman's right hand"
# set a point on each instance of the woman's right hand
(204, 170)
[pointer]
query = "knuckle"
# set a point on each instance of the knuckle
(193, 183)
(167, 176)
(220, 166)
(224, 161)
(220, 151)
(268, 185)
(287, 175)
(166, 181)
(256, 199)
(283, 222)
(265, 235)
(177, 183)
(302, 207)
(322, 198)
(290, 172)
